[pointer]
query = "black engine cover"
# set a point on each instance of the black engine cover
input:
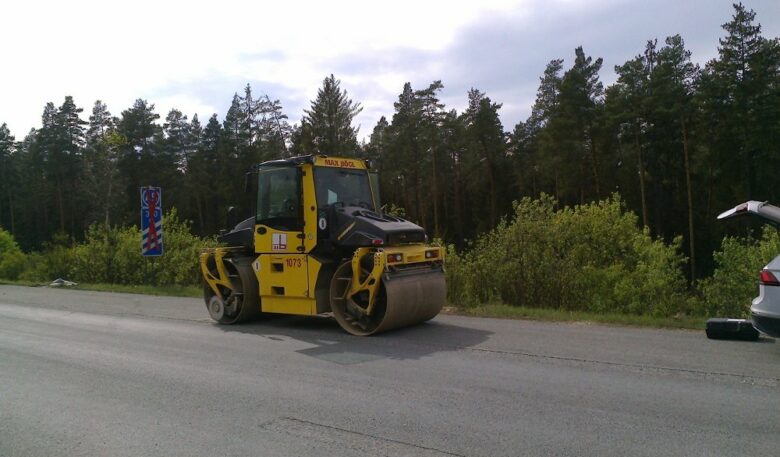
(354, 226)
(241, 235)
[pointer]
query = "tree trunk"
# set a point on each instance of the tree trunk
(405, 197)
(418, 197)
(60, 205)
(640, 160)
(492, 180)
(108, 203)
(493, 205)
(436, 232)
(417, 210)
(594, 166)
(44, 205)
(710, 187)
(690, 199)
(72, 218)
(458, 200)
(199, 205)
(11, 213)
(582, 179)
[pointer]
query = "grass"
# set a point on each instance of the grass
(490, 310)
(168, 291)
(19, 282)
(556, 315)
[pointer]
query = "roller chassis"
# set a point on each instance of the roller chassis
(358, 296)
(318, 245)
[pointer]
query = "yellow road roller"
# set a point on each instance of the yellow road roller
(319, 243)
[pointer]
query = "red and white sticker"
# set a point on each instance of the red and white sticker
(279, 241)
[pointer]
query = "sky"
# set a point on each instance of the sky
(194, 55)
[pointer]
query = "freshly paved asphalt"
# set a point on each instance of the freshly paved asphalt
(89, 373)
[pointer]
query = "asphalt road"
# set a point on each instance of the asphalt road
(90, 373)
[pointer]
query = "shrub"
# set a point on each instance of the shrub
(734, 283)
(12, 259)
(591, 257)
(113, 255)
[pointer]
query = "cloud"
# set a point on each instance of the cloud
(194, 55)
(505, 54)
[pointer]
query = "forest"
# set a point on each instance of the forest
(671, 141)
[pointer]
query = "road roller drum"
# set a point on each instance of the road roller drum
(403, 299)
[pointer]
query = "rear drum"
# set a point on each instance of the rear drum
(241, 301)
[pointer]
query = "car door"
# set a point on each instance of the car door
(763, 210)
(279, 236)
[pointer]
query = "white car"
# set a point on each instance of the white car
(765, 310)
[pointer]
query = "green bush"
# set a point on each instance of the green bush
(591, 257)
(12, 259)
(734, 283)
(112, 255)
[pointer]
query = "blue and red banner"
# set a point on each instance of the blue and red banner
(151, 221)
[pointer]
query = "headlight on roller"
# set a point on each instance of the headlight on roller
(395, 258)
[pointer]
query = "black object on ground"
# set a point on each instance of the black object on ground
(731, 329)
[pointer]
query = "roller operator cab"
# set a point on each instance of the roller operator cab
(319, 243)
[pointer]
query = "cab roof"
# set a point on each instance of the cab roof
(318, 160)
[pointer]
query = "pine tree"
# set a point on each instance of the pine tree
(36, 222)
(455, 143)
(740, 102)
(234, 128)
(378, 142)
(403, 157)
(72, 134)
(301, 139)
(8, 177)
(275, 128)
(249, 117)
(138, 125)
(546, 95)
(178, 137)
(102, 153)
(206, 165)
(431, 115)
(580, 101)
(626, 105)
(140, 160)
(64, 143)
(330, 119)
(672, 85)
(536, 152)
(488, 144)
(100, 122)
(564, 127)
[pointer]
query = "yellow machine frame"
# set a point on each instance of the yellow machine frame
(286, 272)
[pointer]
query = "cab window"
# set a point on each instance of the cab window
(340, 186)
(279, 198)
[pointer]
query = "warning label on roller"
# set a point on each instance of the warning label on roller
(279, 241)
